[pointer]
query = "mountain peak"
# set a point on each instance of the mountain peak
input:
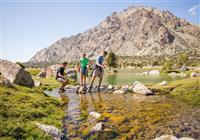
(136, 31)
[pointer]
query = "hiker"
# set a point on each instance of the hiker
(98, 70)
(84, 63)
(61, 77)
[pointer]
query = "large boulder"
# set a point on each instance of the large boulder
(140, 88)
(154, 72)
(51, 70)
(5, 82)
(43, 73)
(15, 74)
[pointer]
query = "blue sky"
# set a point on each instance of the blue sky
(28, 26)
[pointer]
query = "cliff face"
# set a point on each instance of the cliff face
(137, 31)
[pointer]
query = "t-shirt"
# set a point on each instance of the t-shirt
(61, 71)
(100, 60)
(84, 62)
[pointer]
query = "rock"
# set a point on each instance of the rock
(51, 70)
(117, 87)
(97, 127)
(119, 91)
(102, 88)
(184, 68)
(72, 87)
(154, 72)
(80, 89)
(145, 73)
(51, 130)
(130, 88)
(171, 137)
(182, 74)
(166, 137)
(125, 88)
(110, 87)
(95, 114)
(140, 88)
(186, 138)
(195, 74)
(72, 74)
(172, 74)
(43, 73)
(163, 83)
(197, 68)
(37, 83)
(5, 82)
(15, 74)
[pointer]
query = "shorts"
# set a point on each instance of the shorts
(84, 71)
(97, 72)
(62, 80)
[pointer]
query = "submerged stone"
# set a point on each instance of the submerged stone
(163, 83)
(97, 127)
(95, 114)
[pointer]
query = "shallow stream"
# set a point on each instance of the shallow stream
(128, 116)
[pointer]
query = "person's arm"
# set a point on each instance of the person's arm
(90, 62)
(61, 75)
(97, 63)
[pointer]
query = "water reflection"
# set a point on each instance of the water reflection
(128, 76)
(111, 79)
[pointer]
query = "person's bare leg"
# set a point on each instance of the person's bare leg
(64, 84)
(81, 79)
(84, 81)
(91, 82)
(100, 80)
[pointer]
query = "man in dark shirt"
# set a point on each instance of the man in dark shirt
(60, 76)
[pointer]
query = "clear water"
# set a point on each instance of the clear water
(154, 115)
(127, 77)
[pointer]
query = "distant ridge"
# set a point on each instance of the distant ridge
(136, 31)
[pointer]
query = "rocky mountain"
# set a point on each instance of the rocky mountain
(136, 31)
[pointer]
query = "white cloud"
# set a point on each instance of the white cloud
(194, 10)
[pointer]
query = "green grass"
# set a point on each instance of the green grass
(47, 83)
(21, 107)
(187, 90)
(33, 71)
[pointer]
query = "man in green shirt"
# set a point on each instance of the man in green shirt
(84, 63)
